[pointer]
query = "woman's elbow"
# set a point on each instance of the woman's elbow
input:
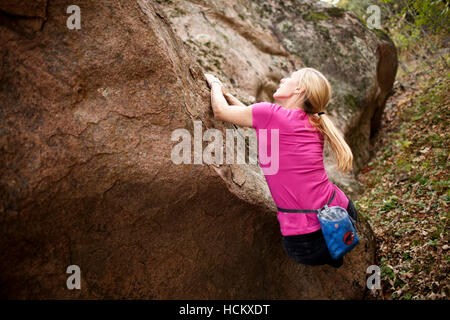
(217, 114)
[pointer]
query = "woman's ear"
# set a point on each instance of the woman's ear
(299, 90)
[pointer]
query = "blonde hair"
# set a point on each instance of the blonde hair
(316, 96)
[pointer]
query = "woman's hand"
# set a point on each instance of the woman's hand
(224, 90)
(211, 79)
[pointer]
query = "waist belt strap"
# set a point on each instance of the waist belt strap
(307, 211)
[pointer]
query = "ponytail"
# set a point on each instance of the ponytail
(335, 139)
(316, 97)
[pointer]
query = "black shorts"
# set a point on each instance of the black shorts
(311, 248)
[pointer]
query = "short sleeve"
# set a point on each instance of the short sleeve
(261, 114)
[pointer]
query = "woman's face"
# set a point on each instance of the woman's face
(287, 87)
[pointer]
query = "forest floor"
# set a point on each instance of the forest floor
(406, 183)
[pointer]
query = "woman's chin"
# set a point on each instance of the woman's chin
(276, 96)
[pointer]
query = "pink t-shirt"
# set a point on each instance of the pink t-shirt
(298, 179)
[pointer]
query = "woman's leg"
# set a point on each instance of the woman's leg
(310, 249)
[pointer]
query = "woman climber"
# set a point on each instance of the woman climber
(301, 181)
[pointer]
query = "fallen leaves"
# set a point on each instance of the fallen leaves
(407, 189)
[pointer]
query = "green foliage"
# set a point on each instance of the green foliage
(406, 21)
(431, 15)
(411, 21)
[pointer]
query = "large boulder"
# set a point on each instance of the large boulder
(86, 123)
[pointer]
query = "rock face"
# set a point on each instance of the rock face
(86, 123)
